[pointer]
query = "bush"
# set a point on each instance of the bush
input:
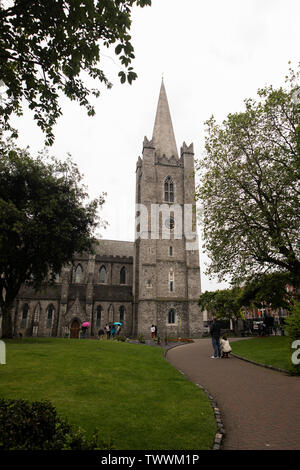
(292, 323)
(121, 338)
(141, 338)
(28, 425)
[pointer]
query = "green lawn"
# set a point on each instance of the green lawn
(271, 350)
(129, 391)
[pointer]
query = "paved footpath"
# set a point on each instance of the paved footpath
(260, 407)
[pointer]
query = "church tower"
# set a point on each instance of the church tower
(166, 284)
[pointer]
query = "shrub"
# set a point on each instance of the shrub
(28, 425)
(141, 338)
(121, 338)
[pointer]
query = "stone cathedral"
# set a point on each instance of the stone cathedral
(153, 280)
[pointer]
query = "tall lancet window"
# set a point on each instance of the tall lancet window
(171, 280)
(123, 276)
(99, 315)
(169, 189)
(172, 316)
(102, 275)
(50, 315)
(78, 274)
(25, 310)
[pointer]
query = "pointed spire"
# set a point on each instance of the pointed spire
(163, 134)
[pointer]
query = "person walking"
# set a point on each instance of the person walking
(113, 331)
(152, 331)
(215, 331)
(107, 331)
(101, 334)
(281, 325)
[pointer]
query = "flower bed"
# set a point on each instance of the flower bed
(182, 340)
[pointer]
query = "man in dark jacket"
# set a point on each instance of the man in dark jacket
(215, 332)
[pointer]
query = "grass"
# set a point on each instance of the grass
(136, 398)
(271, 350)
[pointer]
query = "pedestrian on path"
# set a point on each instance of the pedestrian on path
(215, 332)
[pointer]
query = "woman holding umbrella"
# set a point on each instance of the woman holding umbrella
(84, 327)
(113, 331)
(118, 324)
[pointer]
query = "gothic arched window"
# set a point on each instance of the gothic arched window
(50, 315)
(78, 274)
(123, 276)
(172, 316)
(99, 315)
(25, 310)
(102, 275)
(169, 189)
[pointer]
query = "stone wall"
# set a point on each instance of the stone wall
(70, 300)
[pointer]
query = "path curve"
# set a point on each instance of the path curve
(260, 407)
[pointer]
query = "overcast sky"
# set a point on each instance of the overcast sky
(213, 54)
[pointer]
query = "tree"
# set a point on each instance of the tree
(47, 46)
(292, 323)
(44, 220)
(250, 188)
(222, 303)
(268, 288)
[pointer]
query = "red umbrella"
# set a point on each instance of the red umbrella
(86, 324)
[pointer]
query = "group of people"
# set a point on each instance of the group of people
(264, 326)
(221, 346)
(110, 330)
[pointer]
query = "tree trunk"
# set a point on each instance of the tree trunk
(7, 330)
(296, 274)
